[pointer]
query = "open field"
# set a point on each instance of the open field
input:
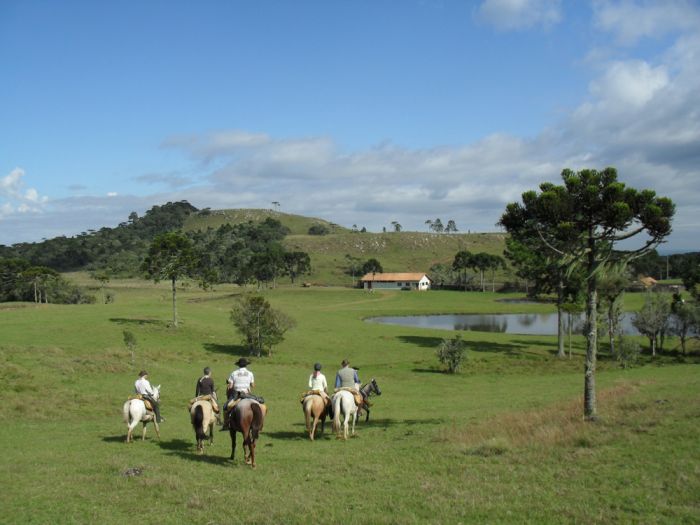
(500, 442)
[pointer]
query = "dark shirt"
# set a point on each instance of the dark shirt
(205, 386)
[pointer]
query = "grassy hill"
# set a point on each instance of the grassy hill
(397, 252)
(297, 224)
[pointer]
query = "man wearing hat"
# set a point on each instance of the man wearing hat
(143, 386)
(240, 383)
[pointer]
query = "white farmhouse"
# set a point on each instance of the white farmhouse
(396, 281)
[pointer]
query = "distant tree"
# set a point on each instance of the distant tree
(319, 229)
(685, 319)
(353, 266)
(354, 228)
(451, 226)
(429, 223)
(170, 256)
(363, 230)
(371, 266)
(296, 264)
(130, 342)
(588, 215)
(461, 263)
(102, 277)
(396, 225)
(260, 325)
(441, 274)
(652, 319)
(451, 353)
(437, 226)
(383, 229)
(39, 278)
(267, 265)
(611, 287)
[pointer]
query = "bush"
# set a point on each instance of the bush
(627, 353)
(260, 325)
(451, 353)
(319, 229)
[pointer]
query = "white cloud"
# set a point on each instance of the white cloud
(507, 15)
(112, 194)
(632, 20)
(14, 200)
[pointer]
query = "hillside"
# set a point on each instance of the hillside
(403, 251)
(297, 224)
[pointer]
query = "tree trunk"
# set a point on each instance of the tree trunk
(611, 329)
(652, 341)
(174, 302)
(36, 297)
(589, 400)
(560, 321)
(570, 316)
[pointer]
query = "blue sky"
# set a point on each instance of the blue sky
(362, 112)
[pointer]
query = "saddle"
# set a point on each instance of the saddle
(308, 393)
(146, 402)
(207, 397)
(354, 392)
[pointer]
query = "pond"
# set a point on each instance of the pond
(524, 324)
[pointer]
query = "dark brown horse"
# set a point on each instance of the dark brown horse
(247, 417)
(367, 390)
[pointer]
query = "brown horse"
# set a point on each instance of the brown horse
(314, 407)
(247, 417)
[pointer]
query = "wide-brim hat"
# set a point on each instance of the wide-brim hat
(242, 362)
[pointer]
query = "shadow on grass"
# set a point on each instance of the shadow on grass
(116, 439)
(301, 434)
(391, 422)
(176, 444)
(127, 321)
(235, 350)
(215, 298)
(428, 371)
(480, 346)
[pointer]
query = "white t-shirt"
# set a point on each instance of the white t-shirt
(318, 382)
(143, 386)
(241, 380)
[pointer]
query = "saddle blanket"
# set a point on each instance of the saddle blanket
(214, 404)
(146, 402)
(308, 393)
(354, 392)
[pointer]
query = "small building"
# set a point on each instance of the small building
(396, 281)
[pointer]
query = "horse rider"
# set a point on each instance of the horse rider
(239, 385)
(318, 383)
(205, 387)
(143, 387)
(347, 379)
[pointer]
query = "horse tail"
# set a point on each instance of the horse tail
(198, 422)
(257, 423)
(336, 412)
(126, 411)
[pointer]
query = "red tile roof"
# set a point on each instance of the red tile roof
(394, 277)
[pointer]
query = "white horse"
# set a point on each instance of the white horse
(344, 402)
(135, 412)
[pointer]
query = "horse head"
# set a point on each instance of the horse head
(156, 393)
(375, 387)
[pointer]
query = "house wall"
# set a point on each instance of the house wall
(423, 284)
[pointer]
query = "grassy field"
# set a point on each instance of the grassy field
(500, 442)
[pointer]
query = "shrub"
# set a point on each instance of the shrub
(318, 229)
(451, 353)
(627, 353)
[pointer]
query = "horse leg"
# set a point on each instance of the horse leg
(307, 420)
(211, 433)
(143, 435)
(354, 420)
(233, 442)
(251, 448)
(367, 416)
(157, 427)
(312, 434)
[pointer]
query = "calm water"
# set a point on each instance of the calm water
(528, 324)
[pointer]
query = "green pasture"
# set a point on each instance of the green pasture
(500, 442)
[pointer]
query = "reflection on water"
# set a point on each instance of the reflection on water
(527, 324)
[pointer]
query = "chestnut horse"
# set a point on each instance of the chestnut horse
(247, 417)
(315, 410)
